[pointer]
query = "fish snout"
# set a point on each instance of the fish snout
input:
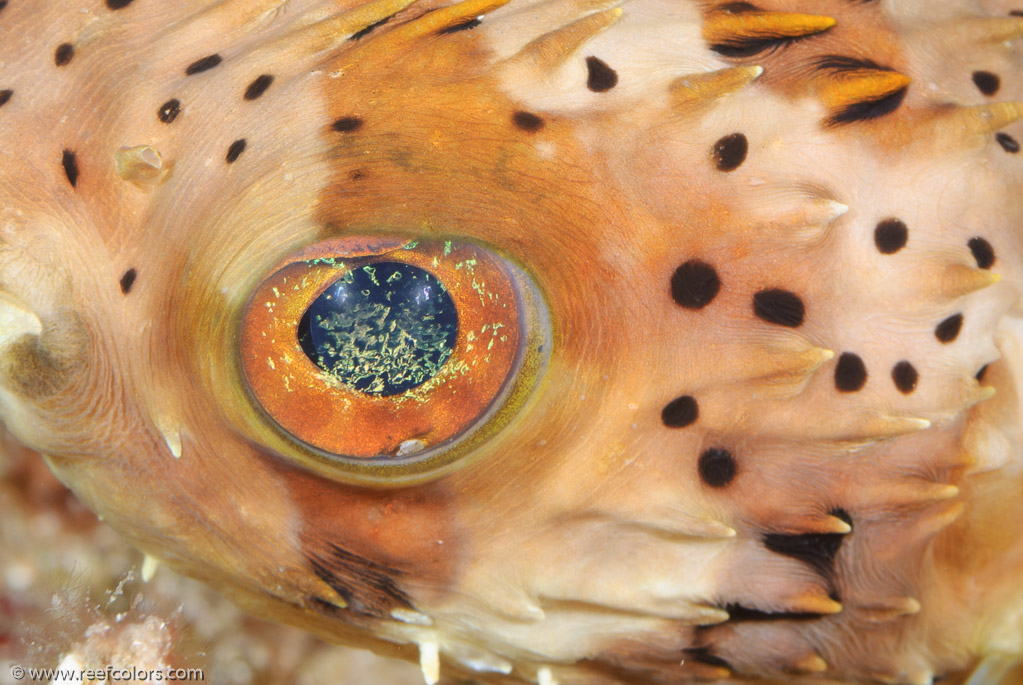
(44, 351)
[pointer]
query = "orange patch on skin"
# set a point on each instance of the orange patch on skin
(411, 532)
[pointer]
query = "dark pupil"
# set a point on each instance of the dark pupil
(382, 329)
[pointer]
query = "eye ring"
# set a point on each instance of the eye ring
(355, 416)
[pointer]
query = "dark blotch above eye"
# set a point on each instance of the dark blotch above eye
(730, 152)
(204, 64)
(235, 151)
(694, 284)
(717, 467)
(3, 4)
(63, 54)
(5, 96)
(128, 280)
(890, 236)
(948, 330)
(850, 373)
(779, 307)
(527, 121)
(1008, 143)
(987, 82)
(601, 77)
(381, 329)
(680, 412)
(118, 4)
(905, 377)
(347, 124)
(982, 252)
(70, 164)
(259, 86)
(169, 111)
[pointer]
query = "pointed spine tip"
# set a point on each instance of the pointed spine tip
(812, 664)
(959, 280)
(848, 89)
(728, 26)
(544, 676)
(968, 124)
(150, 564)
(837, 526)
(695, 89)
(816, 604)
(429, 662)
(171, 434)
(553, 49)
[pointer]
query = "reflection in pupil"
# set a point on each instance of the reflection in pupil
(381, 329)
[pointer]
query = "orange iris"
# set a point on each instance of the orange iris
(463, 385)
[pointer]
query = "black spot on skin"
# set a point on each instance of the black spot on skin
(357, 174)
(64, 53)
(905, 377)
(362, 33)
(462, 26)
(70, 165)
(738, 612)
(983, 372)
(601, 77)
(204, 64)
(169, 111)
(235, 151)
(128, 280)
(1008, 143)
(867, 110)
(347, 124)
(3, 4)
(717, 467)
(890, 236)
(694, 284)
(730, 152)
(982, 252)
(118, 4)
(816, 549)
(259, 86)
(527, 121)
(779, 307)
(5, 96)
(680, 412)
(1016, 13)
(704, 656)
(948, 330)
(987, 82)
(850, 373)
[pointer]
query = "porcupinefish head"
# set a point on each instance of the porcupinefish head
(557, 341)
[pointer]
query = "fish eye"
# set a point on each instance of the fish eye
(387, 361)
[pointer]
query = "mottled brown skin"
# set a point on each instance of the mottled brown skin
(582, 537)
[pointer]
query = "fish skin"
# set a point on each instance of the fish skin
(581, 539)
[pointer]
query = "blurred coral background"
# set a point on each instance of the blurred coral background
(70, 588)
